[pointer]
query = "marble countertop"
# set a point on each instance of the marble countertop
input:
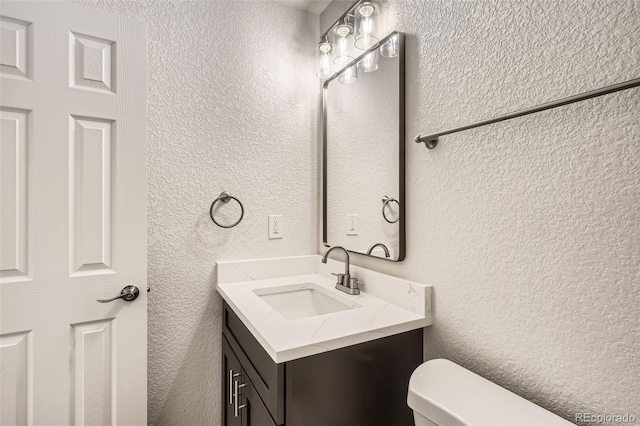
(289, 339)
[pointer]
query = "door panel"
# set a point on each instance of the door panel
(90, 174)
(16, 387)
(13, 193)
(94, 372)
(73, 215)
(92, 63)
(17, 38)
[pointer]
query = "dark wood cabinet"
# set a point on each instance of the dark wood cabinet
(360, 385)
(241, 403)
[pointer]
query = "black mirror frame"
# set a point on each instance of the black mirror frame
(401, 147)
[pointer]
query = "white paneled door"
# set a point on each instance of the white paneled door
(73, 216)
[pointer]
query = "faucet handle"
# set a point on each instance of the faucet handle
(354, 283)
(341, 278)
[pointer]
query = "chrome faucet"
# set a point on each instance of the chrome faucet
(344, 282)
(386, 250)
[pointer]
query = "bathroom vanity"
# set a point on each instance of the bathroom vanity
(295, 351)
(364, 384)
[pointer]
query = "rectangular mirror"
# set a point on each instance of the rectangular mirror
(363, 152)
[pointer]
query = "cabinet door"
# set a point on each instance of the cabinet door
(254, 413)
(231, 371)
(266, 376)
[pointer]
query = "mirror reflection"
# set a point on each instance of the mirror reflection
(364, 154)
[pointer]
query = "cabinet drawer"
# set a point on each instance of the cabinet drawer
(266, 376)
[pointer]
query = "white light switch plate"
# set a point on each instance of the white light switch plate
(352, 224)
(275, 226)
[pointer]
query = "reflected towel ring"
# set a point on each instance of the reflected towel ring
(225, 197)
(386, 200)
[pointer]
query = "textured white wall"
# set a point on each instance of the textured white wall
(232, 106)
(528, 229)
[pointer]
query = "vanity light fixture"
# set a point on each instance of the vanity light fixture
(343, 38)
(357, 28)
(365, 19)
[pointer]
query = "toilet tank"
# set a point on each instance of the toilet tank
(446, 394)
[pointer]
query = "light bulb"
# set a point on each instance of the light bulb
(324, 47)
(324, 60)
(342, 35)
(365, 25)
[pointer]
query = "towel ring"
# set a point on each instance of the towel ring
(225, 197)
(386, 200)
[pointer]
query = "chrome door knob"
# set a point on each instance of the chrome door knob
(128, 294)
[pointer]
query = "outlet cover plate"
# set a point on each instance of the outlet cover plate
(275, 226)
(352, 224)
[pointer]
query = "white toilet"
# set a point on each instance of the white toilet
(441, 393)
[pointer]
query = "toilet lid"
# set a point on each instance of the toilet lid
(448, 394)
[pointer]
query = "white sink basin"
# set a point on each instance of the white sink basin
(303, 300)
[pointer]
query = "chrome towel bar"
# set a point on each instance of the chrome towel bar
(431, 140)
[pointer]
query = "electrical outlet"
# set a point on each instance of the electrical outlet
(352, 224)
(275, 226)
